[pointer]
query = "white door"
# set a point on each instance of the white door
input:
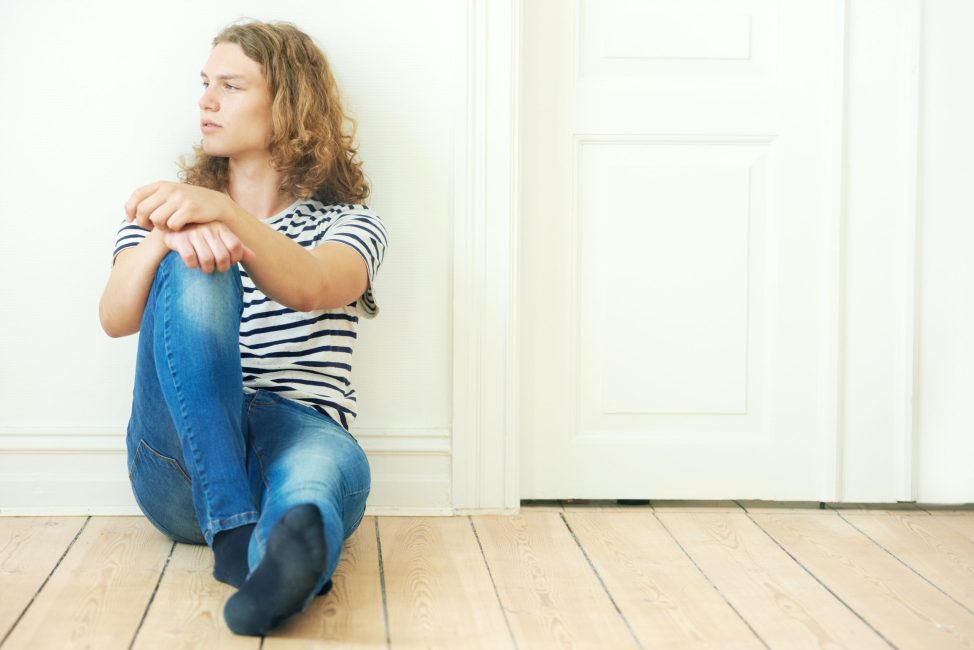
(677, 205)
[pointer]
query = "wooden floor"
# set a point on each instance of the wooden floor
(559, 575)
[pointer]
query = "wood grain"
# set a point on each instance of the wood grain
(903, 606)
(187, 611)
(438, 591)
(666, 600)
(351, 615)
(783, 604)
(697, 575)
(550, 593)
(930, 546)
(99, 592)
(962, 524)
(30, 547)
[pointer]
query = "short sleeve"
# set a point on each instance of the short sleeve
(361, 228)
(129, 234)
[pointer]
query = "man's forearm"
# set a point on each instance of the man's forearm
(283, 269)
(123, 301)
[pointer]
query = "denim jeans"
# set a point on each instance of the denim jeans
(204, 456)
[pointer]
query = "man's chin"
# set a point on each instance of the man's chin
(211, 150)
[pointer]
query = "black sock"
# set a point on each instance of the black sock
(296, 556)
(230, 555)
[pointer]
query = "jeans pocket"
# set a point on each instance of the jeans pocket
(157, 458)
(164, 493)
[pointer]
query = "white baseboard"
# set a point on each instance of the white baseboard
(84, 473)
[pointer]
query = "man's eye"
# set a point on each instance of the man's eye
(204, 84)
(229, 87)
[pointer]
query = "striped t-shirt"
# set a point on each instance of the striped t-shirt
(304, 356)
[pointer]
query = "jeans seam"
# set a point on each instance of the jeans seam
(260, 463)
(166, 312)
(135, 458)
(233, 521)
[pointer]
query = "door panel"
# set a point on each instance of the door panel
(675, 260)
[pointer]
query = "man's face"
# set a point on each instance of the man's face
(235, 108)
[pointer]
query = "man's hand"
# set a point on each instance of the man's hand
(209, 245)
(171, 206)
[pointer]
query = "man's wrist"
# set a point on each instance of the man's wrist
(237, 219)
(231, 216)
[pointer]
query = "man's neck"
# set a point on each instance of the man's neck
(253, 185)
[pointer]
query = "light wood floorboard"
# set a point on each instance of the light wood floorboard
(550, 594)
(963, 525)
(659, 590)
(930, 547)
(30, 548)
(187, 610)
(901, 605)
(784, 605)
(574, 574)
(438, 591)
(98, 594)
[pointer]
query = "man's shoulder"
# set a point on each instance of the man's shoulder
(315, 208)
(328, 214)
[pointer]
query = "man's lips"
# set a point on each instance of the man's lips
(209, 126)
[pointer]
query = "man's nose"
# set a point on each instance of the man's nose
(207, 100)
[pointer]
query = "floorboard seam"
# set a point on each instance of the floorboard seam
(819, 581)
(44, 584)
(904, 563)
(152, 598)
(382, 584)
(602, 582)
(510, 631)
(711, 582)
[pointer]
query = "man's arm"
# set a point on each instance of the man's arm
(328, 276)
(123, 300)
(134, 270)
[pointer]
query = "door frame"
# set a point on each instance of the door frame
(485, 456)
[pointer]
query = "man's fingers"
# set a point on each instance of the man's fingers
(156, 217)
(177, 219)
(203, 252)
(221, 255)
(182, 246)
(238, 251)
(136, 197)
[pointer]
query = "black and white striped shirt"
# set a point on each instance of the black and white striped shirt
(304, 356)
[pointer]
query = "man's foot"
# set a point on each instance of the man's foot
(296, 556)
(230, 555)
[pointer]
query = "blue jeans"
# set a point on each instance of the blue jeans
(204, 456)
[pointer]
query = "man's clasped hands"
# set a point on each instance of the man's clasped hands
(195, 221)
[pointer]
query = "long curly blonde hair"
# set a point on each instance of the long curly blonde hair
(309, 145)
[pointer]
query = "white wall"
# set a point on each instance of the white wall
(99, 98)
